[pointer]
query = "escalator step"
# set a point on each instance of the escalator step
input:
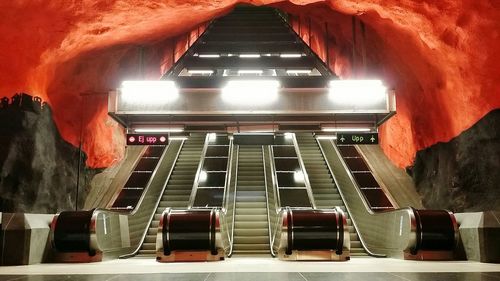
(250, 218)
(251, 239)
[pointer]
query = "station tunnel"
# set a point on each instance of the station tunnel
(206, 131)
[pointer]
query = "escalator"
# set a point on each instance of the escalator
(251, 235)
(178, 189)
(326, 194)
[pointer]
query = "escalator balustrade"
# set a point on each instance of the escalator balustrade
(194, 233)
(303, 232)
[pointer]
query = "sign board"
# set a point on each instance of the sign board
(147, 139)
(357, 138)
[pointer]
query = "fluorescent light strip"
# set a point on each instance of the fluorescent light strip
(248, 92)
(159, 130)
(326, 137)
(254, 71)
(345, 129)
(148, 92)
(291, 55)
(357, 92)
(209, 56)
(195, 71)
(249, 56)
(298, 71)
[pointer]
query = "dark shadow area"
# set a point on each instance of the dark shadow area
(39, 170)
(464, 173)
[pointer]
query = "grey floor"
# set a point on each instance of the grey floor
(271, 276)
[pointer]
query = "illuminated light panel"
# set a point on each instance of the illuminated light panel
(298, 176)
(288, 136)
(178, 138)
(204, 71)
(326, 137)
(298, 71)
(203, 175)
(173, 129)
(250, 91)
(146, 92)
(249, 56)
(290, 55)
(209, 56)
(344, 129)
(250, 71)
(357, 92)
(212, 137)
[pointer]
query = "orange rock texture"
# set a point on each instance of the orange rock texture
(440, 56)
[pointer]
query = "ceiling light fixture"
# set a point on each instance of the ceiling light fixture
(357, 92)
(249, 56)
(146, 92)
(209, 56)
(298, 71)
(250, 71)
(290, 55)
(250, 91)
(200, 71)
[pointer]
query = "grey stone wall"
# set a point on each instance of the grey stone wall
(462, 175)
(39, 169)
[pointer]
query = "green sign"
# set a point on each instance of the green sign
(357, 138)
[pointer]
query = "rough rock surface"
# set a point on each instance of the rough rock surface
(463, 174)
(38, 169)
(441, 56)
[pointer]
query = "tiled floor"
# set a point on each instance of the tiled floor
(266, 276)
(261, 269)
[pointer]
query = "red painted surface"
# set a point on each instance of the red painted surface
(440, 56)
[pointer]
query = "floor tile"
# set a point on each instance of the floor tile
(350, 276)
(162, 277)
(446, 276)
(253, 276)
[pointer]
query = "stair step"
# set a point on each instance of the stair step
(148, 246)
(252, 247)
(251, 239)
(250, 218)
(251, 232)
(251, 224)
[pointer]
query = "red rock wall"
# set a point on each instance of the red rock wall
(441, 57)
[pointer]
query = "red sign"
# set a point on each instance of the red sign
(147, 139)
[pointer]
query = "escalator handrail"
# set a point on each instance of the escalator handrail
(231, 235)
(277, 205)
(227, 186)
(303, 168)
(144, 234)
(267, 206)
(229, 168)
(354, 224)
(274, 181)
(198, 172)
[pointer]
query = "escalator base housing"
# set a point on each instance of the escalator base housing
(321, 255)
(187, 256)
(430, 255)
